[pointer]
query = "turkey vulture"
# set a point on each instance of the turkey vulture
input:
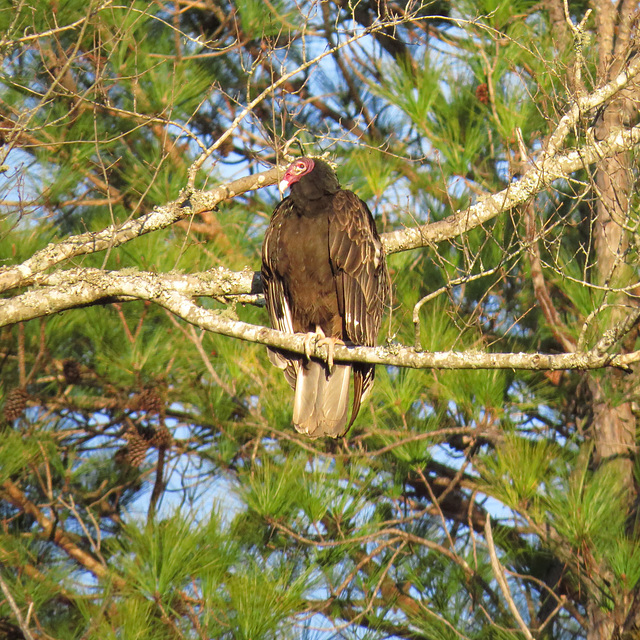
(324, 273)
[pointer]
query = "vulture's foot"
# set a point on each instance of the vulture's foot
(312, 338)
(330, 343)
(320, 339)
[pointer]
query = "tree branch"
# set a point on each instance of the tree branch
(498, 572)
(16, 610)
(80, 287)
(541, 175)
(173, 292)
(115, 235)
(12, 494)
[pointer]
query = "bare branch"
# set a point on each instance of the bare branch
(115, 235)
(541, 175)
(16, 611)
(174, 293)
(498, 572)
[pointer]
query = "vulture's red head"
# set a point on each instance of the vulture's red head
(311, 177)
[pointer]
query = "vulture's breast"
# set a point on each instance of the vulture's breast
(305, 269)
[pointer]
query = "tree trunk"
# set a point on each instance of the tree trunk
(614, 424)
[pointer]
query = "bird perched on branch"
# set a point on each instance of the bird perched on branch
(324, 273)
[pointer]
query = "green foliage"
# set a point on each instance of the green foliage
(14, 454)
(163, 557)
(516, 473)
(151, 483)
(257, 17)
(270, 492)
(624, 559)
(370, 173)
(587, 507)
(414, 91)
(262, 597)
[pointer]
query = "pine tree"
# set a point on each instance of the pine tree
(151, 483)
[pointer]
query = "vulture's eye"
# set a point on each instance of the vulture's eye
(301, 166)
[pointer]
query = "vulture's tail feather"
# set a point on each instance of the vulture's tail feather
(321, 401)
(363, 376)
(288, 366)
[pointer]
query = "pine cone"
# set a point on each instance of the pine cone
(149, 400)
(482, 93)
(71, 371)
(15, 403)
(136, 453)
(136, 447)
(162, 438)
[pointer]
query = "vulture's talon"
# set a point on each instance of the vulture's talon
(330, 343)
(316, 337)
(319, 339)
(309, 338)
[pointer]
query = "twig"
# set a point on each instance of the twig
(498, 572)
(379, 549)
(16, 611)
(561, 603)
(45, 34)
(434, 294)
(22, 370)
(95, 545)
(195, 167)
(540, 288)
(125, 325)
(158, 485)
(578, 34)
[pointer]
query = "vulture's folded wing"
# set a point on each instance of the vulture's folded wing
(277, 305)
(362, 282)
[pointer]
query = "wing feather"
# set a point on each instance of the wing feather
(362, 281)
(357, 259)
(274, 293)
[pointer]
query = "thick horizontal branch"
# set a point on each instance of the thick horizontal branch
(115, 235)
(175, 293)
(539, 176)
(394, 355)
(74, 288)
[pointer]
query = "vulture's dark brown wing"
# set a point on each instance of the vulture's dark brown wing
(277, 305)
(359, 265)
(362, 282)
